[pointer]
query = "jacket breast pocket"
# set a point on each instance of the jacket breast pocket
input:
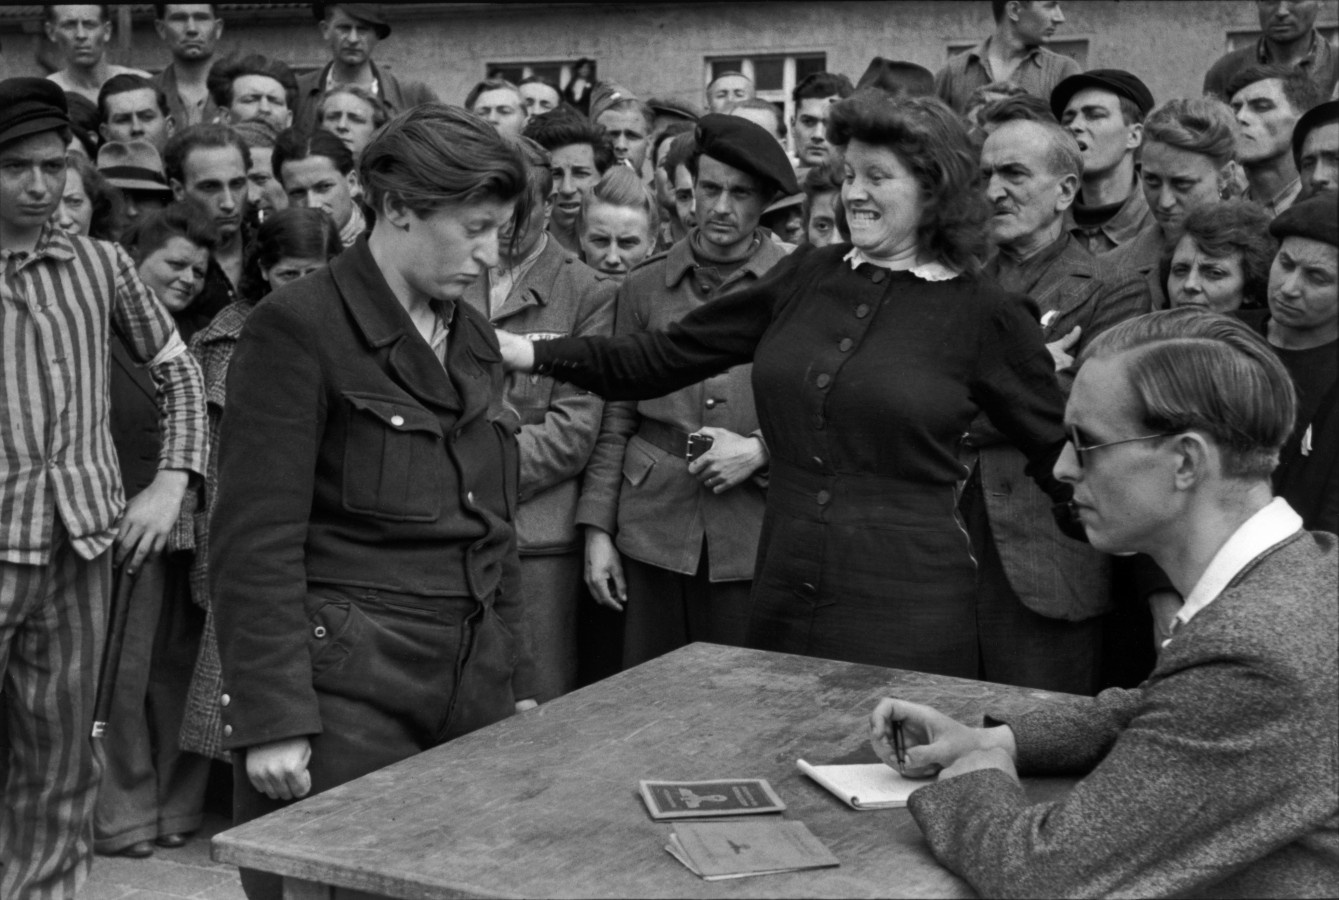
(637, 462)
(392, 460)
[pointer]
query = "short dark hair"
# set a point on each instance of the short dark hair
(197, 137)
(491, 84)
(298, 232)
(932, 142)
(564, 127)
(540, 79)
(683, 149)
(84, 120)
(184, 219)
(1026, 107)
(293, 145)
(226, 71)
(820, 85)
(1298, 87)
(160, 9)
(124, 84)
(106, 9)
(1232, 228)
(672, 128)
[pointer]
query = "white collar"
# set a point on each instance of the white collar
(1276, 522)
(930, 271)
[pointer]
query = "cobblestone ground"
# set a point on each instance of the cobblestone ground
(184, 874)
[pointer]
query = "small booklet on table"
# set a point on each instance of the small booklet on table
(719, 850)
(864, 785)
(701, 799)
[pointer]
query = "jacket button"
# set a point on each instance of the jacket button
(469, 497)
(711, 403)
(823, 380)
(818, 420)
(224, 700)
(878, 276)
(862, 310)
(845, 345)
(318, 631)
(227, 731)
(397, 421)
(823, 498)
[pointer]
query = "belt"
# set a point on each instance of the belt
(668, 438)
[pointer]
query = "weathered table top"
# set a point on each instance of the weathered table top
(545, 803)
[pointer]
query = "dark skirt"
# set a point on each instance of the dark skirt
(865, 569)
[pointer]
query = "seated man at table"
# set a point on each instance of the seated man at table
(1216, 775)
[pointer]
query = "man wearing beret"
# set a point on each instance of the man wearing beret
(687, 528)
(61, 503)
(352, 31)
(1303, 329)
(1104, 109)
(1316, 148)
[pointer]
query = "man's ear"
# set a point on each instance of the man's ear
(178, 190)
(355, 186)
(1134, 136)
(1068, 191)
(1197, 460)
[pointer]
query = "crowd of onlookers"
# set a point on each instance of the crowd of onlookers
(641, 524)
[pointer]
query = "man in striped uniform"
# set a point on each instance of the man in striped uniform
(61, 504)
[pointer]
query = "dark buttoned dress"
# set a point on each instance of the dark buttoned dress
(866, 381)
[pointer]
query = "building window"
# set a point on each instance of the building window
(774, 77)
(1236, 40)
(516, 72)
(1075, 48)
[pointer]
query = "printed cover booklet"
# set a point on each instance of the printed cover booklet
(720, 850)
(699, 799)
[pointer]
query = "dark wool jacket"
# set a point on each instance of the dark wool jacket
(349, 456)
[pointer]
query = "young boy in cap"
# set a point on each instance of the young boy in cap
(686, 529)
(62, 506)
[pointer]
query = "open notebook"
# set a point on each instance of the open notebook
(864, 785)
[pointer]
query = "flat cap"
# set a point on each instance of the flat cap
(1313, 118)
(674, 107)
(902, 79)
(133, 166)
(1118, 81)
(738, 142)
(363, 12)
(1316, 217)
(604, 95)
(30, 106)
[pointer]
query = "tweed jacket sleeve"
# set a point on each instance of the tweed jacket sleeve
(1218, 775)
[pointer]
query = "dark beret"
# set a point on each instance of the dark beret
(363, 12)
(738, 142)
(1119, 82)
(1313, 118)
(30, 106)
(903, 79)
(1316, 217)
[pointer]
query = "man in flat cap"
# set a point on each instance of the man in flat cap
(672, 530)
(1303, 329)
(1316, 148)
(1104, 109)
(352, 31)
(62, 507)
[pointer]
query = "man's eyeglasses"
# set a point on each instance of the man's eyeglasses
(1081, 448)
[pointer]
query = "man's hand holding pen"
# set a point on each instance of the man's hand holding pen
(921, 742)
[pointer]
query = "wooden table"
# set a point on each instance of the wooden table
(544, 804)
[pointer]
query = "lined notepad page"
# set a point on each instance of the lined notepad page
(864, 785)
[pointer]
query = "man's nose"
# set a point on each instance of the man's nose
(1166, 197)
(228, 199)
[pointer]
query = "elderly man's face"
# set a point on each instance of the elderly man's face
(1304, 290)
(1125, 494)
(1286, 20)
(1320, 158)
(1025, 195)
(726, 91)
(1265, 118)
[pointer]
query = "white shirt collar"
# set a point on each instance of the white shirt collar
(1276, 522)
(931, 271)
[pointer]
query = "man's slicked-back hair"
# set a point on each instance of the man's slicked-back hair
(821, 85)
(1191, 369)
(1026, 107)
(124, 83)
(632, 104)
(1200, 125)
(226, 71)
(160, 10)
(181, 144)
(1063, 156)
(433, 156)
(1298, 87)
(493, 84)
(563, 127)
(293, 145)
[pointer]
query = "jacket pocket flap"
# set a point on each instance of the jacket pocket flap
(638, 462)
(395, 413)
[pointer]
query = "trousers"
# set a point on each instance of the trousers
(52, 626)
(551, 586)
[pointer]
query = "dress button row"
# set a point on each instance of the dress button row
(397, 421)
(224, 700)
(823, 380)
(845, 345)
(823, 498)
(878, 276)
(862, 310)
(227, 731)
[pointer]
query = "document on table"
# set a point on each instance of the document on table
(864, 785)
(701, 799)
(719, 850)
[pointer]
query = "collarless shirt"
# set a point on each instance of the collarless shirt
(184, 114)
(1037, 73)
(1122, 228)
(1276, 522)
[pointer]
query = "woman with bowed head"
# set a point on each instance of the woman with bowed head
(870, 360)
(1221, 261)
(289, 244)
(363, 563)
(619, 223)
